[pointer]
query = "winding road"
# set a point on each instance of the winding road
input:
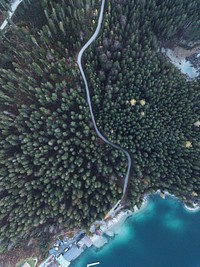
(94, 36)
(14, 6)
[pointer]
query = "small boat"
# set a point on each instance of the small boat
(92, 264)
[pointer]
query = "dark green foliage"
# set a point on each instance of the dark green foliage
(30, 13)
(122, 66)
(54, 169)
(4, 7)
(44, 244)
(172, 17)
(67, 21)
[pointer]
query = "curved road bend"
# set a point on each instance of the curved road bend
(94, 36)
(14, 6)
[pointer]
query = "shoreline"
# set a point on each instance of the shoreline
(176, 222)
(195, 207)
(112, 227)
(109, 228)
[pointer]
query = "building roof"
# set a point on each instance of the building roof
(87, 241)
(62, 246)
(62, 261)
(73, 253)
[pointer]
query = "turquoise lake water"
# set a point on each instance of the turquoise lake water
(164, 234)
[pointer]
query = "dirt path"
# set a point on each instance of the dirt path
(181, 52)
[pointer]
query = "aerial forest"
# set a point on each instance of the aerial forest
(55, 172)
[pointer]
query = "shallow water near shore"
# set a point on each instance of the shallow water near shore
(163, 234)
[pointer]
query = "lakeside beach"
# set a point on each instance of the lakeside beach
(162, 225)
(112, 226)
(106, 230)
(68, 154)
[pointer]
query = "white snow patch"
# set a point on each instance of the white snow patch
(184, 66)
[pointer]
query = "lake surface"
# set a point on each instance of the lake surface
(163, 234)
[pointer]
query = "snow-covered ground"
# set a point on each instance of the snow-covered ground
(181, 63)
(14, 6)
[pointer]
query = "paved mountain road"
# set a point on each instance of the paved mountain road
(79, 61)
(14, 6)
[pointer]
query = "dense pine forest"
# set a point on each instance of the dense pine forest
(55, 172)
(4, 7)
(141, 101)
